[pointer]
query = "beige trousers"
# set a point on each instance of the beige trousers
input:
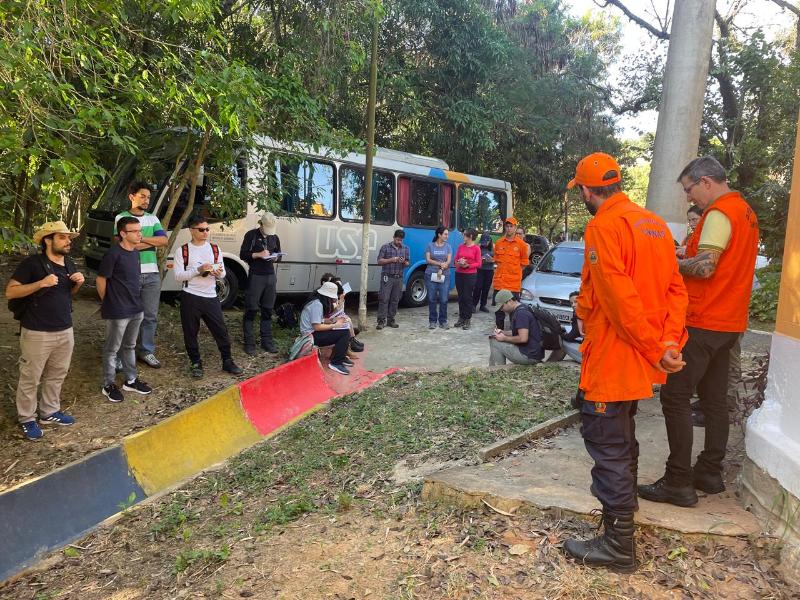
(44, 360)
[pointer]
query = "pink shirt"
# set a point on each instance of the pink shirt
(473, 256)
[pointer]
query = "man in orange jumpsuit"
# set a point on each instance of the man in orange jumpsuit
(718, 271)
(631, 308)
(510, 256)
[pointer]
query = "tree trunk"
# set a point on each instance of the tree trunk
(373, 92)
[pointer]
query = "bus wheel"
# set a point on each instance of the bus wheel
(228, 288)
(416, 293)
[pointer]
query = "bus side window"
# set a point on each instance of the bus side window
(423, 203)
(305, 187)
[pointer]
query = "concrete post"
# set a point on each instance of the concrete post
(771, 474)
(681, 110)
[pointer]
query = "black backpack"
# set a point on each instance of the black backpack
(287, 315)
(549, 326)
(19, 306)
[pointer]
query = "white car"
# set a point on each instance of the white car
(557, 275)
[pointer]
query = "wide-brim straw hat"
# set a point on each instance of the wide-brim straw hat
(50, 228)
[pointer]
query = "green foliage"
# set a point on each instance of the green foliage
(186, 558)
(764, 300)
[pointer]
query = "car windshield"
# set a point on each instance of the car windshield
(562, 261)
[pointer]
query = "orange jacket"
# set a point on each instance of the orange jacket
(509, 256)
(722, 302)
(632, 302)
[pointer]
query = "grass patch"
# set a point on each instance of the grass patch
(327, 460)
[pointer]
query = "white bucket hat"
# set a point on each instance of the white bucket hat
(329, 290)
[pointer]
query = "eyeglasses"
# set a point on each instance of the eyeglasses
(202, 229)
(686, 190)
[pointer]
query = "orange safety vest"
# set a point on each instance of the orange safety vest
(509, 256)
(722, 302)
(632, 302)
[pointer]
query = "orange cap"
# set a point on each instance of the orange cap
(592, 168)
(511, 220)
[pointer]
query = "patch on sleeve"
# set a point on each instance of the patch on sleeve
(593, 256)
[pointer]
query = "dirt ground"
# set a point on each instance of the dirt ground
(99, 423)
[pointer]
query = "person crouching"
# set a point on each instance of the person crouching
(315, 319)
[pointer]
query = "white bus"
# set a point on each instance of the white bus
(320, 220)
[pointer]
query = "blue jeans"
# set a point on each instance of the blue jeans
(151, 296)
(437, 299)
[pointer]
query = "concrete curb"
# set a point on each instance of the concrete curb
(54, 510)
(542, 429)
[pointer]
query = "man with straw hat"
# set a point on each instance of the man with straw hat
(40, 294)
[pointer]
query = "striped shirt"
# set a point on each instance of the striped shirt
(389, 250)
(151, 227)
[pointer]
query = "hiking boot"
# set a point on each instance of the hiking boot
(484, 309)
(392, 324)
(138, 386)
(150, 360)
(459, 323)
(112, 392)
(57, 418)
(593, 492)
(196, 370)
(380, 326)
(467, 324)
(661, 491)
(269, 346)
(31, 431)
(231, 367)
(339, 368)
(613, 549)
(250, 349)
(708, 482)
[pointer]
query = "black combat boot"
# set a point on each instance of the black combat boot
(661, 491)
(266, 337)
(613, 549)
(459, 323)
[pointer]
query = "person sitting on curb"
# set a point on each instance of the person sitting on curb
(523, 344)
(43, 286)
(327, 331)
(199, 267)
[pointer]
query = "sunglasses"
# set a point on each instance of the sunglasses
(202, 229)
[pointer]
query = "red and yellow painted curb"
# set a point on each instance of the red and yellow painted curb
(73, 500)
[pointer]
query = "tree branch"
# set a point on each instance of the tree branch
(659, 33)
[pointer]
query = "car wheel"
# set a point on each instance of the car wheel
(228, 288)
(416, 293)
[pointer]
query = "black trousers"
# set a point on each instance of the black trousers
(609, 434)
(707, 355)
(465, 283)
(499, 315)
(338, 338)
(209, 310)
(260, 296)
(483, 281)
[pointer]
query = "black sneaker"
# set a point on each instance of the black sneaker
(138, 386)
(347, 362)
(111, 391)
(269, 346)
(231, 367)
(661, 491)
(393, 325)
(250, 349)
(196, 370)
(339, 368)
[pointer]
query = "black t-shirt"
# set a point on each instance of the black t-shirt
(123, 297)
(255, 241)
(51, 308)
(523, 318)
